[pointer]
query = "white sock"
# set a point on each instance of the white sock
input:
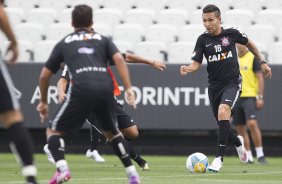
(250, 156)
(62, 165)
(259, 151)
(131, 171)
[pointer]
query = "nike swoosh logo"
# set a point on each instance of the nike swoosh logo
(209, 45)
(226, 100)
(221, 145)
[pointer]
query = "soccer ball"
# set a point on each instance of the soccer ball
(197, 163)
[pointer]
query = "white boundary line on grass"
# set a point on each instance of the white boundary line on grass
(171, 176)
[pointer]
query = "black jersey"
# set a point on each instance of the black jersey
(220, 52)
(87, 56)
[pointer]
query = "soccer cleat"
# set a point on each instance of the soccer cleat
(95, 155)
(134, 179)
(144, 165)
(216, 165)
(262, 160)
(242, 152)
(60, 177)
(48, 154)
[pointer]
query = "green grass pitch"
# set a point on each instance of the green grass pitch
(164, 170)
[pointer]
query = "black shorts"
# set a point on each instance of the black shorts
(8, 99)
(245, 110)
(74, 111)
(228, 94)
(123, 119)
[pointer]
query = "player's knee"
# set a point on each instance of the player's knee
(131, 133)
(224, 112)
(252, 124)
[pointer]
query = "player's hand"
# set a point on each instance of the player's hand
(130, 97)
(159, 65)
(43, 110)
(183, 70)
(266, 70)
(13, 52)
(259, 103)
(62, 97)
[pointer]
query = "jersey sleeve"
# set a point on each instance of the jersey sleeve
(198, 50)
(65, 73)
(55, 59)
(256, 65)
(111, 50)
(240, 37)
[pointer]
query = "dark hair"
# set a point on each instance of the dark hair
(212, 8)
(82, 16)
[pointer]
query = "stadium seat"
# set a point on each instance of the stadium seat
(132, 33)
(55, 4)
(64, 16)
(185, 5)
(190, 33)
(29, 31)
(15, 15)
(155, 50)
(270, 4)
(23, 4)
(103, 29)
(109, 16)
(177, 17)
(95, 4)
(161, 32)
(25, 50)
(222, 5)
(180, 52)
(276, 57)
(154, 5)
(238, 17)
(124, 46)
(271, 17)
(44, 16)
(123, 5)
(144, 17)
(43, 49)
(196, 17)
(58, 31)
(280, 35)
(253, 5)
(261, 33)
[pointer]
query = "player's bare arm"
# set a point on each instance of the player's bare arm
(264, 67)
(124, 74)
(193, 67)
(61, 86)
(132, 58)
(42, 107)
(6, 28)
(260, 101)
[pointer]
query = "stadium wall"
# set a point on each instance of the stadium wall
(165, 100)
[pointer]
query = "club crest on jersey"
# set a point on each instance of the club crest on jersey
(225, 41)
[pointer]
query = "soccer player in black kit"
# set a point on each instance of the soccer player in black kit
(10, 113)
(87, 56)
(218, 46)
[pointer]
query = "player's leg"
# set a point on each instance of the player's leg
(12, 119)
(251, 119)
(68, 119)
(107, 117)
(130, 131)
(95, 134)
(242, 130)
(229, 100)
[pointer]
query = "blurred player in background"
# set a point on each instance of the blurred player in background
(218, 46)
(10, 113)
(87, 56)
(251, 100)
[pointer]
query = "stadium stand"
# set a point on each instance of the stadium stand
(180, 52)
(134, 21)
(42, 50)
(151, 49)
(25, 50)
(124, 46)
